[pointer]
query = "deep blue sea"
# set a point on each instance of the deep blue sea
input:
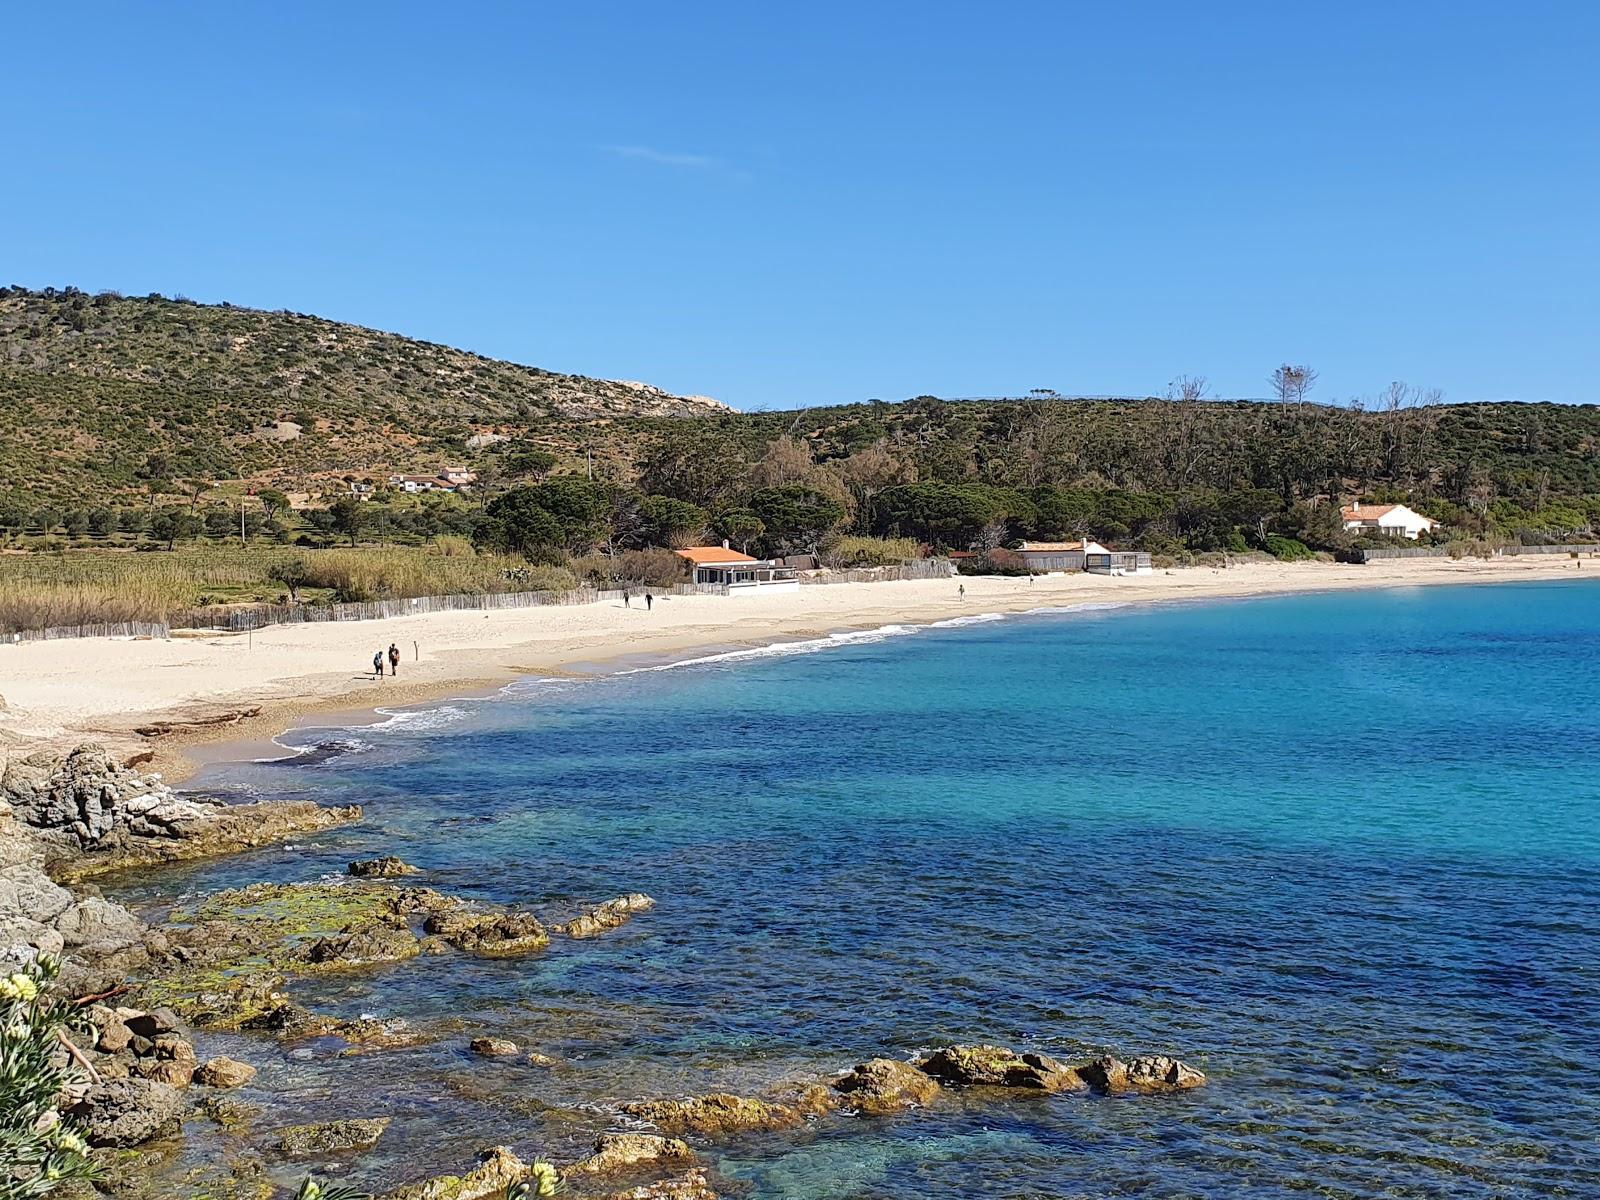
(1340, 851)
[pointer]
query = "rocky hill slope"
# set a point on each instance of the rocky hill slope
(93, 386)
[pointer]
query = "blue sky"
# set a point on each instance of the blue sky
(787, 204)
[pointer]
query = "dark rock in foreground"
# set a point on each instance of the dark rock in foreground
(125, 1112)
(1146, 1075)
(997, 1066)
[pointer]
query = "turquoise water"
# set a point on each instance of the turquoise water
(1340, 851)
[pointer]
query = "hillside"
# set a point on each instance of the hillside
(92, 386)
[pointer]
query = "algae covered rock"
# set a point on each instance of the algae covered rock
(1148, 1074)
(496, 1171)
(997, 1066)
(332, 1137)
(615, 1152)
(718, 1113)
(885, 1085)
(387, 867)
(126, 1112)
(606, 916)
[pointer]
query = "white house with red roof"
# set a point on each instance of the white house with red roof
(1392, 520)
(735, 571)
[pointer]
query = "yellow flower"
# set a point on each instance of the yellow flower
(547, 1177)
(20, 987)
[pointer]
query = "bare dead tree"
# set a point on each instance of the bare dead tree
(1291, 384)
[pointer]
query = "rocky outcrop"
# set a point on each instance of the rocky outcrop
(606, 916)
(496, 1171)
(714, 1115)
(126, 1112)
(494, 934)
(332, 1137)
(997, 1066)
(886, 1085)
(614, 1152)
(128, 1043)
(90, 814)
(1145, 1075)
(387, 867)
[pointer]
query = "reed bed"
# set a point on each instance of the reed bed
(40, 591)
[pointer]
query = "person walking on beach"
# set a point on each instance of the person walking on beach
(961, 591)
(627, 598)
(649, 601)
(377, 664)
(394, 659)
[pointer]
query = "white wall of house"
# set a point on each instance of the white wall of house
(1399, 521)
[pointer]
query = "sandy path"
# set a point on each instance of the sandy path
(58, 693)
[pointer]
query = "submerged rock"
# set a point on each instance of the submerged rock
(997, 1066)
(387, 867)
(885, 1085)
(224, 1072)
(126, 1112)
(496, 1171)
(1148, 1074)
(718, 1113)
(691, 1185)
(606, 916)
(332, 1137)
(361, 943)
(625, 1151)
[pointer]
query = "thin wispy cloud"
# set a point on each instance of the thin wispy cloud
(665, 158)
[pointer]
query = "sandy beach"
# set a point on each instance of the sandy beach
(247, 688)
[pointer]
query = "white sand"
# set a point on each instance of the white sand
(57, 693)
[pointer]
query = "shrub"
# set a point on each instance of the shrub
(39, 1148)
(1286, 549)
(871, 551)
(655, 567)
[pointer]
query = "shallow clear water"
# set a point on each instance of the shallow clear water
(1340, 851)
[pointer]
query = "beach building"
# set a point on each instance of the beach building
(1101, 561)
(719, 564)
(1043, 557)
(1393, 520)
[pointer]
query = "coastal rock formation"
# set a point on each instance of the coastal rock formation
(360, 943)
(714, 1115)
(606, 916)
(125, 1112)
(1146, 1075)
(615, 1152)
(997, 1066)
(495, 934)
(496, 1171)
(387, 867)
(886, 1085)
(90, 814)
(332, 1137)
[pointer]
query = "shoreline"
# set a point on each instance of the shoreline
(57, 694)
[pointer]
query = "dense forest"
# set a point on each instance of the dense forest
(115, 410)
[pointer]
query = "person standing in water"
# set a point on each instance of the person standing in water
(377, 664)
(394, 659)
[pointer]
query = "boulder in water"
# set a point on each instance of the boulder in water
(886, 1085)
(1151, 1073)
(615, 1152)
(332, 1137)
(714, 1115)
(998, 1066)
(126, 1112)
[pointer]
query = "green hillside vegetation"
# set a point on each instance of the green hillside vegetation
(150, 424)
